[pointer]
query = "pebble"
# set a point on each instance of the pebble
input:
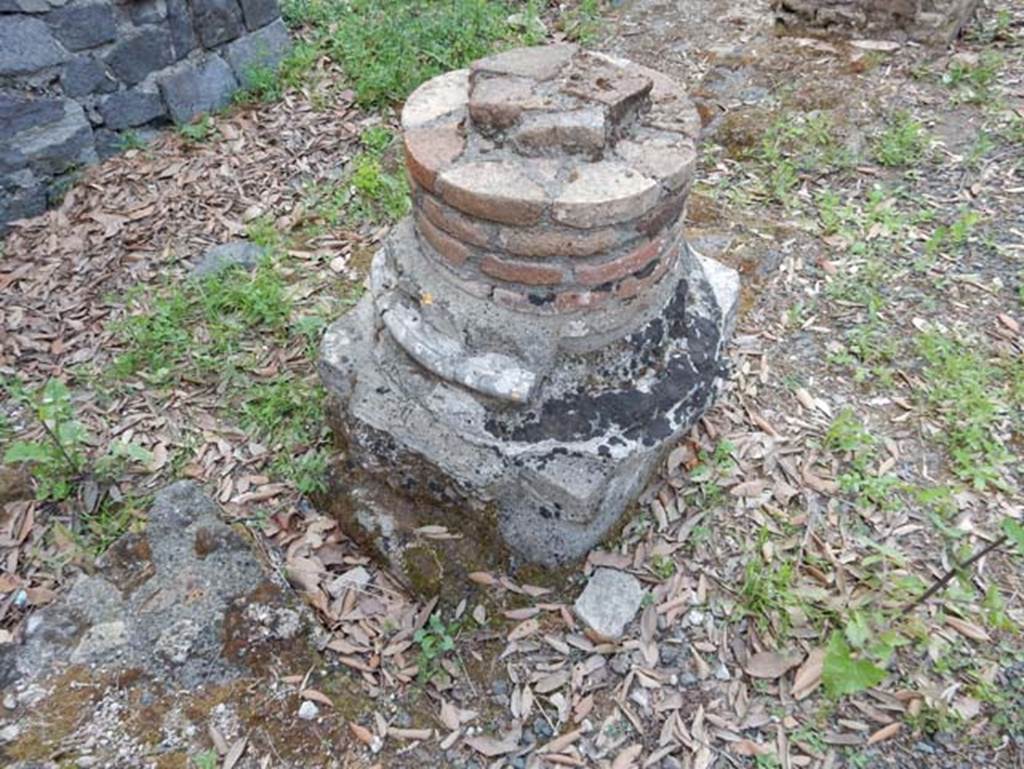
(695, 617)
(722, 672)
(542, 728)
(10, 702)
(308, 711)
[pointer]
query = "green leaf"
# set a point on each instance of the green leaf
(24, 451)
(131, 451)
(858, 630)
(1015, 532)
(841, 674)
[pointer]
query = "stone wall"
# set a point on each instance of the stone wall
(927, 21)
(76, 74)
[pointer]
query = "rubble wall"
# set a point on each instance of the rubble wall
(75, 75)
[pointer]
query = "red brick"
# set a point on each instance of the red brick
(573, 301)
(515, 271)
(439, 98)
(553, 241)
(603, 193)
(539, 63)
(580, 131)
(596, 77)
(616, 269)
(663, 215)
(672, 163)
(495, 103)
(450, 249)
(498, 191)
(465, 228)
(633, 286)
(430, 150)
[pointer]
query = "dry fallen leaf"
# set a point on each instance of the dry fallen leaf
(885, 733)
(772, 664)
(968, 629)
(808, 677)
(492, 746)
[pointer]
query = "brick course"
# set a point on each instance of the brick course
(616, 269)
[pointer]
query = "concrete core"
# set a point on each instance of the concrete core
(538, 333)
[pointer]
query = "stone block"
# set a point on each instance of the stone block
(19, 112)
(84, 75)
(217, 21)
(21, 195)
(83, 25)
(26, 45)
(24, 6)
(193, 88)
(179, 22)
(259, 13)
(134, 57)
(262, 49)
(147, 11)
(51, 141)
(133, 107)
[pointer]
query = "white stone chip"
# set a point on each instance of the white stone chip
(609, 602)
(308, 711)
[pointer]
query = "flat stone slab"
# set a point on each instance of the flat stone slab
(178, 628)
(609, 602)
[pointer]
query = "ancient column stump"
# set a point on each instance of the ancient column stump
(538, 333)
(926, 21)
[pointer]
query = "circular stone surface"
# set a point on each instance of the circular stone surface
(551, 135)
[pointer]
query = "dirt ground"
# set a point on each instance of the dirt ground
(872, 196)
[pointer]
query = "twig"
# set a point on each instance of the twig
(946, 578)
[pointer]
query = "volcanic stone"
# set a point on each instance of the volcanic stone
(263, 49)
(26, 45)
(136, 56)
(192, 88)
(81, 26)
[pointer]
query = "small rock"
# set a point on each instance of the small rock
(609, 601)
(308, 711)
(542, 728)
(10, 702)
(9, 733)
(237, 253)
(86, 762)
(695, 617)
(722, 672)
